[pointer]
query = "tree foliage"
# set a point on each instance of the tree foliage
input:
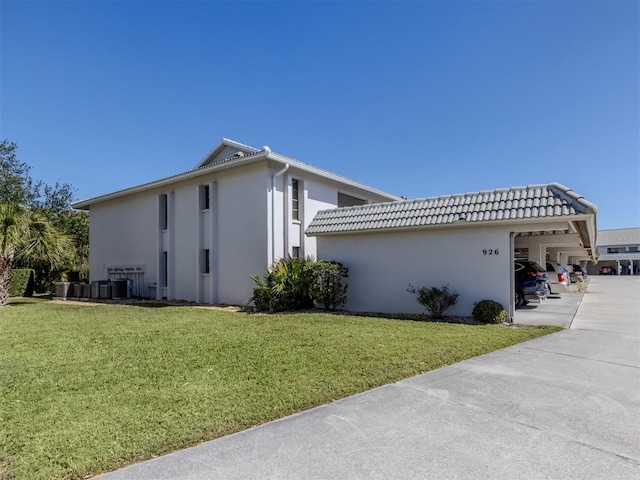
(47, 208)
(27, 234)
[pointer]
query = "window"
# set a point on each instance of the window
(295, 252)
(204, 197)
(345, 200)
(164, 212)
(615, 250)
(205, 266)
(164, 281)
(295, 200)
(633, 249)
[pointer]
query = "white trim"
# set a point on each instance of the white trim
(260, 155)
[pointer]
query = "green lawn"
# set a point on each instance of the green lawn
(86, 389)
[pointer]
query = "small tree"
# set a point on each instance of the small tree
(327, 288)
(437, 301)
(27, 234)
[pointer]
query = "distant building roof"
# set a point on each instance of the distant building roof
(620, 236)
(517, 203)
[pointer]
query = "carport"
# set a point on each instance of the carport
(466, 241)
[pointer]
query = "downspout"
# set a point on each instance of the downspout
(273, 207)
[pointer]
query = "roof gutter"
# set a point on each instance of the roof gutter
(273, 206)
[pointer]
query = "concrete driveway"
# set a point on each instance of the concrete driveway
(566, 406)
(558, 310)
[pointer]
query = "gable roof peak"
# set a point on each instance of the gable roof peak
(227, 143)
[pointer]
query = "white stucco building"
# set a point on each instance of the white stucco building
(467, 241)
(619, 249)
(199, 235)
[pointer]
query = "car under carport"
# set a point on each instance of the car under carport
(466, 241)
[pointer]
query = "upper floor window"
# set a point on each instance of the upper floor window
(295, 199)
(345, 200)
(615, 250)
(205, 197)
(163, 212)
(633, 249)
(206, 261)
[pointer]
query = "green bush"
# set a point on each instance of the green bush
(299, 284)
(327, 288)
(488, 311)
(22, 282)
(285, 286)
(437, 301)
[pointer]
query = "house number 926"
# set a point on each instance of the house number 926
(491, 251)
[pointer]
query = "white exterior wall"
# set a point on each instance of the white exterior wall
(383, 264)
(124, 232)
(242, 231)
(236, 229)
(127, 231)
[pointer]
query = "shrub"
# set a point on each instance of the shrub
(286, 286)
(298, 284)
(327, 288)
(22, 282)
(488, 311)
(437, 301)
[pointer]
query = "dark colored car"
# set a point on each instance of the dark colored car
(607, 270)
(531, 282)
(575, 273)
(580, 269)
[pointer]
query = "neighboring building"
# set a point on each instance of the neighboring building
(467, 241)
(620, 249)
(199, 235)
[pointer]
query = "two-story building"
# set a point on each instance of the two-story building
(619, 249)
(200, 235)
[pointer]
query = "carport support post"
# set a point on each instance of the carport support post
(512, 278)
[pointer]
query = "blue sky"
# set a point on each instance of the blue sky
(419, 98)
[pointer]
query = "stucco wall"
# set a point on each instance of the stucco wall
(236, 230)
(119, 234)
(382, 265)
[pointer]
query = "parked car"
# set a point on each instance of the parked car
(580, 268)
(558, 275)
(575, 274)
(607, 270)
(531, 282)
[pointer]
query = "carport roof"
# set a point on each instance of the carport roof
(531, 203)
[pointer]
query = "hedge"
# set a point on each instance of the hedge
(22, 282)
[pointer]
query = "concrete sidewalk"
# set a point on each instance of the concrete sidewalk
(559, 407)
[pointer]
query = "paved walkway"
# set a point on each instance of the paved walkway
(566, 406)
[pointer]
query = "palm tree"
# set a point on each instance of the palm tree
(26, 233)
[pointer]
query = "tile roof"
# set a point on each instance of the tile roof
(620, 237)
(534, 201)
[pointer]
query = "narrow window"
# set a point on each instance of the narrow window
(295, 211)
(204, 197)
(164, 214)
(205, 266)
(295, 252)
(165, 269)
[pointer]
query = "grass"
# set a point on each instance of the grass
(87, 389)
